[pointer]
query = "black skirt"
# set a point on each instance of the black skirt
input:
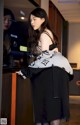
(50, 91)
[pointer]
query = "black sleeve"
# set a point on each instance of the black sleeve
(52, 46)
(30, 72)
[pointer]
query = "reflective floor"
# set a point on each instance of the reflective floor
(74, 115)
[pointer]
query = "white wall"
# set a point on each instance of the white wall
(74, 43)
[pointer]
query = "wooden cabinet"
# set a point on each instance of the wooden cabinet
(6, 97)
(16, 100)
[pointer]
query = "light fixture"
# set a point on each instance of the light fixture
(22, 18)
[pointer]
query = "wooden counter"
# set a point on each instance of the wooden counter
(16, 100)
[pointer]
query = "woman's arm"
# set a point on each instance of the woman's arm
(21, 74)
(29, 72)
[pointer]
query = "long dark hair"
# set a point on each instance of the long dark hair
(9, 12)
(34, 35)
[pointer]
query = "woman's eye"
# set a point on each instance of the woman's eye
(34, 18)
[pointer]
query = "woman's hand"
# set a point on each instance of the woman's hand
(21, 74)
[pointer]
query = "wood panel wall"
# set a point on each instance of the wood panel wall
(56, 22)
(60, 27)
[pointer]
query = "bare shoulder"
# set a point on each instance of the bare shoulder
(47, 34)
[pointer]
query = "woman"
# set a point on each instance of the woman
(49, 78)
(8, 20)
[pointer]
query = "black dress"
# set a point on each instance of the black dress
(50, 86)
(50, 94)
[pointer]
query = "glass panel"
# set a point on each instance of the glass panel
(15, 33)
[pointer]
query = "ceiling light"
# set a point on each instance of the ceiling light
(22, 18)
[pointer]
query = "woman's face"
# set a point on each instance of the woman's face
(7, 22)
(36, 22)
